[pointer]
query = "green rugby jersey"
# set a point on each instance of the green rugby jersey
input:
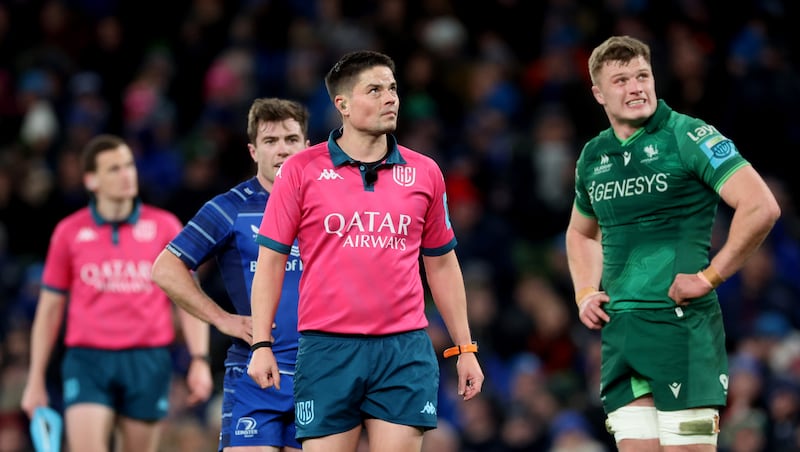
(655, 196)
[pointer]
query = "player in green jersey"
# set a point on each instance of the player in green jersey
(638, 245)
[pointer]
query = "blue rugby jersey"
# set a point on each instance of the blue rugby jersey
(225, 228)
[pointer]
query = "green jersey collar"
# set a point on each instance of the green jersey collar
(659, 117)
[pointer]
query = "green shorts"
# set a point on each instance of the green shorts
(678, 355)
(134, 383)
(340, 380)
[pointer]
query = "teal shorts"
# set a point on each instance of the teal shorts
(678, 355)
(134, 383)
(340, 380)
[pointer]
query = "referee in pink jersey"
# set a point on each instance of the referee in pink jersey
(363, 209)
(117, 367)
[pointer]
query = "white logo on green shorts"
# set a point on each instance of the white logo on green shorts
(675, 387)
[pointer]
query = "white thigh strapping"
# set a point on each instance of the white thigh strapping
(692, 426)
(633, 422)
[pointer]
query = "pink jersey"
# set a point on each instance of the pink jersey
(360, 244)
(104, 269)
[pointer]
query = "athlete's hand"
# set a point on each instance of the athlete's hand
(240, 326)
(199, 381)
(470, 375)
(687, 286)
(591, 311)
(263, 368)
(33, 396)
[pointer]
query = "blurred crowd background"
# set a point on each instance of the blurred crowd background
(497, 91)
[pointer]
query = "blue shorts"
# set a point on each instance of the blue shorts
(252, 416)
(340, 380)
(134, 383)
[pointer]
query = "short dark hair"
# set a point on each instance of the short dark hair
(616, 48)
(97, 145)
(344, 73)
(273, 109)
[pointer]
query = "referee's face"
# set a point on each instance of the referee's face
(374, 103)
(627, 91)
(115, 177)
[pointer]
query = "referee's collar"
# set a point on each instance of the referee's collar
(339, 157)
(132, 218)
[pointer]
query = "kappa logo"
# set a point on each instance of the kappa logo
(675, 387)
(429, 408)
(86, 235)
(329, 174)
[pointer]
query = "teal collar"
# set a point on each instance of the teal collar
(659, 117)
(340, 158)
(132, 218)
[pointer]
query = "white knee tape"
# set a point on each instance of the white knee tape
(633, 422)
(693, 426)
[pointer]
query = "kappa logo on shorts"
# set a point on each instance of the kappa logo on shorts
(304, 412)
(429, 408)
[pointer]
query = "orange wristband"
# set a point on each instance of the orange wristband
(459, 349)
(585, 292)
(711, 276)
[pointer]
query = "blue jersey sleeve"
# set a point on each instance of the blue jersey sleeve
(225, 229)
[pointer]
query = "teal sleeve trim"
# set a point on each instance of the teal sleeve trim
(273, 245)
(55, 289)
(441, 251)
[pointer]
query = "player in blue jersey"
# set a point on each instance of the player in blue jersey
(225, 229)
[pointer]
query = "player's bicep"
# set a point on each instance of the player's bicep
(745, 185)
(583, 225)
